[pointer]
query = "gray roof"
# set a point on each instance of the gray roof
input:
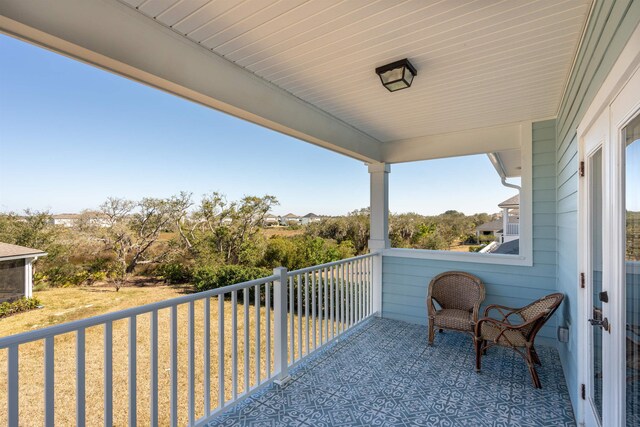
(490, 226)
(509, 248)
(511, 202)
(14, 251)
(311, 215)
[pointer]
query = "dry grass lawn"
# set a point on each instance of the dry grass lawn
(63, 305)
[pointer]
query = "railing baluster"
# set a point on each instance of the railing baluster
(371, 279)
(207, 356)
(313, 308)
(326, 305)
(306, 310)
(292, 310)
(245, 296)
(13, 386)
(221, 398)
(257, 336)
(80, 378)
(281, 365)
(234, 348)
(349, 294)
(133, 407)
(191, 400)
(342, 298)
(299, 280)
(267, 306)
(320, 305)
(108, 373)
(360, 290)
(173, 337)
(49, 381)
(331, 305)
(153, 365)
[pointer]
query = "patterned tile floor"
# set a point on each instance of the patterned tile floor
(384, 374)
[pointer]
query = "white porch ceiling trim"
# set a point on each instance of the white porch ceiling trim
(468, 142)
(115, 37)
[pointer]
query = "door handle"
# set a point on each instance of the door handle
(603, 323)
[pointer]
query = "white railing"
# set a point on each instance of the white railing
(513, 228)
(170, 357)
(328, 300)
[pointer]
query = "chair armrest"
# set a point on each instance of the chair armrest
(504, 311)
(502, 326)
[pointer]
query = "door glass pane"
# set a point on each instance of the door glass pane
(595, 226)
(631, 135)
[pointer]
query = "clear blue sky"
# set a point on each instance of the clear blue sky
(72, 135)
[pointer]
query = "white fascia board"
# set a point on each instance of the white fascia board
(474, 141)
(115, 37)
(35, 256)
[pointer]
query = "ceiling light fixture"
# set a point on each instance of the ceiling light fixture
(397, 75)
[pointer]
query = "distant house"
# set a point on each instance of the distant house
(74, 219)
(65, 219)
(309, 218)
(290, 219)
(16, 272)
(491, 228)
(510, 219)
(270, 220)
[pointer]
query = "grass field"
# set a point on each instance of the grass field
(63, 305)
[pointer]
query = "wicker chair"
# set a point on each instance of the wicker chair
(516, 329)
(459, 296)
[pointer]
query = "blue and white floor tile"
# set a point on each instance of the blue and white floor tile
(384, 374)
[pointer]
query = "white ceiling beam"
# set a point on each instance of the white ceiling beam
(474, 141)
(112, 36)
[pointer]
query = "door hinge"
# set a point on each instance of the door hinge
(581, 169)
(583, 392)
(582, 281)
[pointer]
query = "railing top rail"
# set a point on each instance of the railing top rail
(330, 264)
(75, 325)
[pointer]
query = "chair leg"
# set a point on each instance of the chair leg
(431, 332)
(532, 370)
(535, 357)
(479, 344)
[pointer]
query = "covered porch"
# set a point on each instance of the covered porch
(509, 79)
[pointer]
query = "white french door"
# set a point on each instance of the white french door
(609, 312)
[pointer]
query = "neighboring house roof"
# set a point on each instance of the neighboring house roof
(8, 251)
(511, 202)
(66, 216)
(311, 215)
(290, 215)
(490, 226)
(508, 248)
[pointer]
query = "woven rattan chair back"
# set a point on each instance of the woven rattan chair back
(541, 309)
(457, 290)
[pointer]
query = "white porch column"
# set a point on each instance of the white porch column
(28, 277)
(379, 225)
(505, 223)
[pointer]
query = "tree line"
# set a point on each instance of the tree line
(208, 242)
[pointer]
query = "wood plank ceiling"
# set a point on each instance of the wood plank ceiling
(480, 63)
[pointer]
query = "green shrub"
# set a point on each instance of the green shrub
(207, 277)
(476, 248)
(175, 272)
(18, 306)
(65, 276)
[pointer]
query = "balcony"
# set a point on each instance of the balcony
(217, 358)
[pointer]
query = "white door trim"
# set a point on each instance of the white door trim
(615, 107)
